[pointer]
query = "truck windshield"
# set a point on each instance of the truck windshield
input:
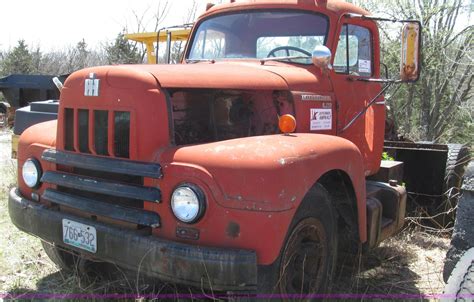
(259, 35)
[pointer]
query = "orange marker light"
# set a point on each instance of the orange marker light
(287, 123)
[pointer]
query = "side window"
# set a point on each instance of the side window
(210, 44)
(354, 51)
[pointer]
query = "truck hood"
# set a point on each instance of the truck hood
(232, 75)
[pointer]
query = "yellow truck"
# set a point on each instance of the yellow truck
(169, 35)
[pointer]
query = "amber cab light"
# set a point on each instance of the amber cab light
(287, 123)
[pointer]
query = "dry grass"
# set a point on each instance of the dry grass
(410, 263)
(22, 262)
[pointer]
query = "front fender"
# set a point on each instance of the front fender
(33, 141)
(274, 173)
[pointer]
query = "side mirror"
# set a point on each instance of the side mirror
(321, 57)
(410, 56)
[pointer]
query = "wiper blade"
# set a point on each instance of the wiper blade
(200, 60)
(262, 61)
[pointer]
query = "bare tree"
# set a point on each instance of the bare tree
(179, 46)
(149, 20)
(431, 109)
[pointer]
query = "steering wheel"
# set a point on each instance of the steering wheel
(287, 48)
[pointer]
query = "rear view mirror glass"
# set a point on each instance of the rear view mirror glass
(409, 66)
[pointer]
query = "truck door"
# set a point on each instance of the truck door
(357, 59)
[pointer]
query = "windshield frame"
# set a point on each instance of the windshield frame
(195, 31)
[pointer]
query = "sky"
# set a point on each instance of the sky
(57, 24)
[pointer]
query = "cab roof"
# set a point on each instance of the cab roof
(337, 7)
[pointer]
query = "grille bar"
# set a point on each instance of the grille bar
(122, 134)
(91, 133)
(96, 207)
(100, 132)
(113, 165)
(102, 186)
(83, 130)
(69, 129)
(110, 132)
(101, 126)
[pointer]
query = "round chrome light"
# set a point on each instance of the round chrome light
(187, 203)
(31, 172)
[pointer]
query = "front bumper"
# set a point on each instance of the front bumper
(216, 268)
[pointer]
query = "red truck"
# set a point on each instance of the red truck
(240, 169)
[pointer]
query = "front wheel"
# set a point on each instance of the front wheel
(62, 258)
(87, 270)
(307, 260)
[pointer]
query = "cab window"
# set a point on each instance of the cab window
(258, 35)
(209, 44)
(354, 51)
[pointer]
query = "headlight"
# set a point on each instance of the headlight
(31, 172)
(188, 203)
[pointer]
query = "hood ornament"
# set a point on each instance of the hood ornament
(91, 85)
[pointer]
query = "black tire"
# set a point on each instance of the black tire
(63, 259)
(88, 271)
(466, 288)
(3, 116)
(460, 285)
(463, 233)
(308, 257)
(457, 161)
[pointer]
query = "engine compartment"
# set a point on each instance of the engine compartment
(208, 115)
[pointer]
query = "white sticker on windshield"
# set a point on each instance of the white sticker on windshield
(365, 66)
(321, 119)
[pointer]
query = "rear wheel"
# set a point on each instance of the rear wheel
(3, 116)
(461, 280)
(307, 260)
(463, 233)
(458, 159)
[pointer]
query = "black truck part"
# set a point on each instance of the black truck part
(432, 175)
(20, 89)
(35, 113)
(30, 93)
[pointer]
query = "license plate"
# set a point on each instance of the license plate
(80, 235)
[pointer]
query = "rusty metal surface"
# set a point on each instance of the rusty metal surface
(256, 182)
(216, 268)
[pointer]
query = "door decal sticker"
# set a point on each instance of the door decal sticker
(321, 119)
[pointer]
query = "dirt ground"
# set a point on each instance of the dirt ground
(410, 263)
